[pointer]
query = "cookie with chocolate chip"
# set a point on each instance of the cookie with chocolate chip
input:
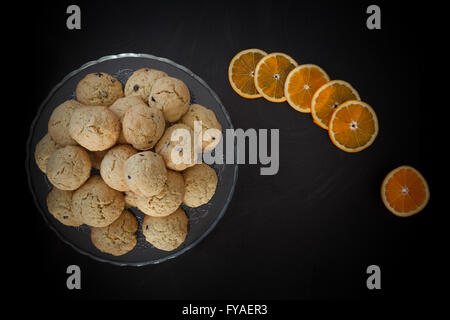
(99, 89)
(145, 173)
(143, 126)
(119, 237)
(59, 203)
(171, 96)
(141, 82)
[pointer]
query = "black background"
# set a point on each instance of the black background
(311, 230)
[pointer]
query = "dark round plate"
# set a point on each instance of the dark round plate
(201, 220)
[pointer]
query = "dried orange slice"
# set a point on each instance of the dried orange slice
(241, 72)
(301, 83)
(328, 97)
(353, 126)
(405, 191)
(271, 73)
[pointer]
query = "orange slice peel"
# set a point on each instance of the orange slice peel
(353, 126)
(405, 191)
(301, 83)
(271, 73)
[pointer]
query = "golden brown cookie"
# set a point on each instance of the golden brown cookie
(44, 148)
(166, 233)
(179, 154)
(143, 126)
(145, 173)
(111, 168)
(141, 82)
(58, 125)
(59, 203)
(94, 127)
(99, 89)
(211, 128)
(96, 203)
(201, 183)
(121, 106)
(171, 96)
(69, 167)
(168, 200)
(119, 237)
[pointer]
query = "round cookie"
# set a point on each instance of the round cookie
(121, 106)
(97, 157)
(96, 203)
(145, 173)
(119, 237)
(141, 82)
(44, 148)
(173, 152)
(111, 168)
(94, 127)
(131, 199)
(166, 233)
(59, 203)
(201, 184)
(58, 125)
(143, 126)
(99, 89)
(168, 200)
(69, 167)
(171, 96)
(211, 128)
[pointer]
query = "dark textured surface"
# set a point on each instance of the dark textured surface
(311, 230)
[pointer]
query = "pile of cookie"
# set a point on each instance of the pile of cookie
(126, 135)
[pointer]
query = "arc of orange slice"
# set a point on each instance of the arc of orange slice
(301, 83)
(404, 191)
(328, 97)
(270, 75)
(241, 72)
(353, 126)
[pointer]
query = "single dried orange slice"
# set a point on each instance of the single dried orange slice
(405, 191)
(270, 75)
(328, 97)
(241, 72)
(353, 126)
(301, 83)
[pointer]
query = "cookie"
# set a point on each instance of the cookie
(166, 233)
(59, 204)
(58, 125)
(111, 168)
(143, 126)
(94, 127)
(180, 154)
(130, 199)
(99, 89)
(201, 183)
(97, 157)
(145, 173)
(171, 96)
(119, 237)
(69, 167)
(96, 203)
(44, 148)
(168, 200)
(141, 82)
(121, 106)
(211, 128)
